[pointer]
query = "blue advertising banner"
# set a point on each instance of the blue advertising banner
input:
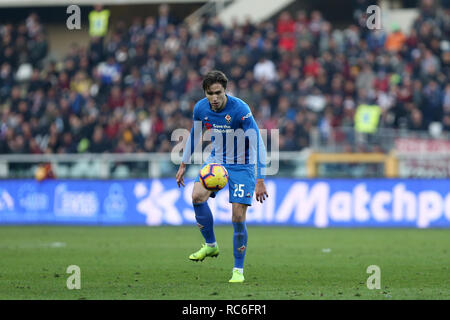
(417, 203)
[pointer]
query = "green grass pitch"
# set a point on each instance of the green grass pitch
(281, 263)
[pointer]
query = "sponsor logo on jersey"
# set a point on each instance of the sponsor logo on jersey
(248, 115)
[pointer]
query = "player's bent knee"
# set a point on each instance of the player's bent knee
(198, 198)
(199, 194)
(238, 219)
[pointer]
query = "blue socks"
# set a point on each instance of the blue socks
(205, 221)
(240, 237)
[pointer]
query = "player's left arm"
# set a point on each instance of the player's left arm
(249, 123)
(260, 190)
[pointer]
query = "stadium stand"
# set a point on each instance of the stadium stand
(128, 92)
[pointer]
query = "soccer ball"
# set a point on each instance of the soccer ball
(214, 176)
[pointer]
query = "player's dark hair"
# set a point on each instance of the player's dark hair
(214, 76)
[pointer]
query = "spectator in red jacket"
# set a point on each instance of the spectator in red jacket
(285, 24)
(311, 67)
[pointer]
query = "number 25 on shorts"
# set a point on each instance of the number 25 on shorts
(238, 190)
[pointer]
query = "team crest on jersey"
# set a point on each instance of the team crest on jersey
(241, 249)
(228, 118)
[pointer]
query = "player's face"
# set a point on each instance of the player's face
(216, 96)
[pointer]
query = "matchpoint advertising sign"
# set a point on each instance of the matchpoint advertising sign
(415, 203)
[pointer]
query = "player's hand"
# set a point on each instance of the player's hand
(260, 191)
(180, 174)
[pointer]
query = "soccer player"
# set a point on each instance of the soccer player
(228, 117)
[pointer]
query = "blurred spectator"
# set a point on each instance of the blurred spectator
(415, 120)
(98, 21)
(285, 31)
(164, 17)
(115, 99)
(265, 70)
(432, 105)
(38, 49)
(109, 71)
(311, 67)
(395, 40)
(285, 24)
(99, 142)
(376, 40)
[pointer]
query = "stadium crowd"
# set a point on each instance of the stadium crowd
(127, 92)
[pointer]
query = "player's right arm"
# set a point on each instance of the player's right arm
(180, 174)
(191, 144)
